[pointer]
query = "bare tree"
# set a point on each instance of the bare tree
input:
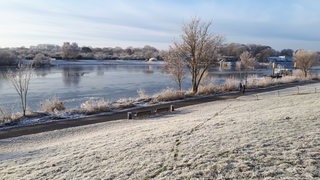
(198, 48)
(175, 66)
(247, 62)
(305, 60)
(286, 52)
(70, 51)
(7, 58)
(20, 80)
(149, 52)
(40, 60)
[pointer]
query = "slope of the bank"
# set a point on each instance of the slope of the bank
(266, 136)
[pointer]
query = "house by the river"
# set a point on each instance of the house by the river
(281, 65)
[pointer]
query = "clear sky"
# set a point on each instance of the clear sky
(108, 23)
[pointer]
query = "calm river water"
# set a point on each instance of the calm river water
(76, 82)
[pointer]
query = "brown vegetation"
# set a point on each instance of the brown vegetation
(305, 60)
(52, 105)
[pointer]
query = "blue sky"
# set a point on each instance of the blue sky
(109, 23)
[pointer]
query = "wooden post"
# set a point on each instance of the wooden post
(273, 66)
(171, 108)
(129, 115)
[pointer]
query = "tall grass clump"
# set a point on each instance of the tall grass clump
(231, 84)
(123, 103)
(297, 73)
(93, 106)
(256, 82)
(4, 117)
(52, 105)
(7, 118)
(167, 94)
(210, 88)
(315, 76)
(142, 96)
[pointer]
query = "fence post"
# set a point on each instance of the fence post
(298, 90)
(129, 115)
(171, 108)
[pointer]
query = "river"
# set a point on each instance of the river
(77, 81)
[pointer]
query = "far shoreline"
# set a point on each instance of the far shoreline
(122, 114)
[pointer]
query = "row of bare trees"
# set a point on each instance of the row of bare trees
(197, 51)
(73, 51)
(199, 48)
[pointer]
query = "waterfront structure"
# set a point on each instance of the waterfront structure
(281, 65)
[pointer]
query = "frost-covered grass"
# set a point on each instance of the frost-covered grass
(94, 106)
(4, 117)
(270, 138)
(142, 96)
(52, 105)
(167, 94)
(231, 84)
(123, 103)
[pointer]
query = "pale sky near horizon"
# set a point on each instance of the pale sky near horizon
(109, 23)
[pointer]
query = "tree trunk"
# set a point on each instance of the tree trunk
(246, 78)
(305, 72)
(179, 85)
(194, 82)
(194, 87)
(23, 106)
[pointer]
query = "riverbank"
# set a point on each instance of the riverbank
(66, 123)
(265, 135)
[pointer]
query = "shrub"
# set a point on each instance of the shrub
(52, 105)
(93, 106)
(231, 84)
(208, 89)
(7, 118)
(298, 74)
(142, 96)
(123, 103)
(7, 58)
(4, 117)
(264, 82)
(167, 94)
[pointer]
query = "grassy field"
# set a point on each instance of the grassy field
(269, 136)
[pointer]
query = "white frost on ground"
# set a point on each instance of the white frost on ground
(269, 136)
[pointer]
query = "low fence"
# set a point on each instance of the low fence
(304, 89)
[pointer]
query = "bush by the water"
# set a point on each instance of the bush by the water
(167, 94)
(52, 105)
(93, 106)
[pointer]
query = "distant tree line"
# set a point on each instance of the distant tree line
(260, 52)
(71, 51)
